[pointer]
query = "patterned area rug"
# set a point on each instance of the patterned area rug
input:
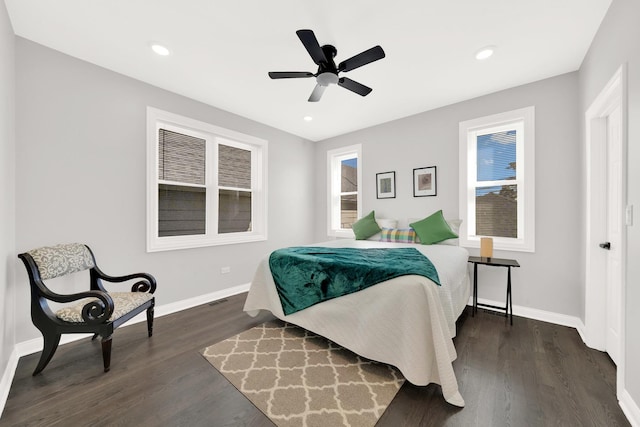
(298, 378)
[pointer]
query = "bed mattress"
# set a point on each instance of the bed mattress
(408, 322)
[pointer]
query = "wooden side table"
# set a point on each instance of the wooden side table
(495, 262)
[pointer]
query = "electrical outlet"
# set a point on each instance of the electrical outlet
(225, 270)
(629, 215)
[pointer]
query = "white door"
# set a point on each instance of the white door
(614, 232)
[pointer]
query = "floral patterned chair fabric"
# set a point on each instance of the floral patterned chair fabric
(60, 260)
(94, 311)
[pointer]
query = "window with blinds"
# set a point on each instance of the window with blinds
(234, 189)
(206, 184)
(497, 180)
(182, 193)
(496, 190)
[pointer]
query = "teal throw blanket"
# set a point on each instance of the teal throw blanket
(307, 275)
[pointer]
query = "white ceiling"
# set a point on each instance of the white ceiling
(222, 50)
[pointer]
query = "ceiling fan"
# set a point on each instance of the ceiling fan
(327, 71)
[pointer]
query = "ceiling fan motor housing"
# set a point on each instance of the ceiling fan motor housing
(327, 71)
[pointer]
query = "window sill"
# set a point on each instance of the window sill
(191, 242)
(341, 233)
(516, 246)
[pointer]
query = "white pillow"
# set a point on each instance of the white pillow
(387, 222)
(384, 223)
(455, 227)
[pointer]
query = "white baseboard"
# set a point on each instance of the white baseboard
(35, 345)
(630, 408)
(534, 313)
(195, 301)
(628, 405)
(581, 331)
(7, 378)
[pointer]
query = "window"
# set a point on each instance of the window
(344, 173)
(206, 185)
(497, 180)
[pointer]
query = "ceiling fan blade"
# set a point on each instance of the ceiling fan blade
(289, 74)
(310, 42)
(361, 59)
(317, 93)
(354, 86)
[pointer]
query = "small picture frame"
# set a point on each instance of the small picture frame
(425, 182)
(386, 185)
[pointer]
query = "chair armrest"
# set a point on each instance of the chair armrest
(146, 285)
(98, 310)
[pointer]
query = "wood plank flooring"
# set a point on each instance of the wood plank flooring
(529, 374)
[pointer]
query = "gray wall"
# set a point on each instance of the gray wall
(7, 188)
(548, 279)
(618, 42)
(80, 176)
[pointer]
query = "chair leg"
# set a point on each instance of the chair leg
(94, 337)
(50, 346)
(150, 321)
(106, 352)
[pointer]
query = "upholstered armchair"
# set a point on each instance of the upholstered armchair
(95, 311)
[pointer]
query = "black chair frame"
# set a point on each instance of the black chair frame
(95, 313)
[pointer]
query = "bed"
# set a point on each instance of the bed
(407, 322)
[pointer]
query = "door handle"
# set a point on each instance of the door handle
(605, 245)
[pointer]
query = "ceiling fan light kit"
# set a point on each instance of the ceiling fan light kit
(325, 79)
(327, 73)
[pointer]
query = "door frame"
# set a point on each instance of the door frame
(612, 95)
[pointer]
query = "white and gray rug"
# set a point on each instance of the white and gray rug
(297, 378)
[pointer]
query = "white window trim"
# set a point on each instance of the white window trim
(334, 183)
(525, 178)
(213, 135)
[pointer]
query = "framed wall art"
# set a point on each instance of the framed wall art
(386, 185)
(425, 182)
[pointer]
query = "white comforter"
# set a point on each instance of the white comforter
(408, 322)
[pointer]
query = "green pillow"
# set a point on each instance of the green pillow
(433, 229)
(366, 227)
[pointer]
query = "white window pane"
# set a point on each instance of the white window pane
(496, 156)
(234, 211)
(497, 211)
(349, 173)
(234, 167)
(181, 210)
(181, 157)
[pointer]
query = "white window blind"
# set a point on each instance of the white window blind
(181, 190)
(234, 189)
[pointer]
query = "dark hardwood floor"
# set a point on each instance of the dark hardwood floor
(529, 374)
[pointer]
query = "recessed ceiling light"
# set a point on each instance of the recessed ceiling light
(160, 49)
(308, 118)
(485, 52)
